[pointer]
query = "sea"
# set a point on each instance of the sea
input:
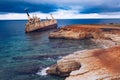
(26, 56)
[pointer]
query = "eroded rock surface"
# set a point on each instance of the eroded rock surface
(64, 67)
(97, 64)
(87, 31)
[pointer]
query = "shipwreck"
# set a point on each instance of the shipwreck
(35, 24)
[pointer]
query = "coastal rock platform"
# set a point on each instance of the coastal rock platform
(93, 64)
(86, 31)
(97, 64)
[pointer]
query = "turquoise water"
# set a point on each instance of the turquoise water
(23, 55)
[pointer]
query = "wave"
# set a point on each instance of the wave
(43, 72)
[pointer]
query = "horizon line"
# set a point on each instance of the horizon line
(64, 18)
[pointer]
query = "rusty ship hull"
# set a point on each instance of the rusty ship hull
(52, 26)
(35, 24)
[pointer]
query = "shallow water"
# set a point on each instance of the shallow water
(23, 55)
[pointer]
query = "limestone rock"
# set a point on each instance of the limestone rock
(63, 68)
(67, 66)
(96, 64)
(113, 37)
(53, 70)
(85, 31)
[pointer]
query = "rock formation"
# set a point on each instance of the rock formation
(86, 31)
(64, 67)
(95, 64)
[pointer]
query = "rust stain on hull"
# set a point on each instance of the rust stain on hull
(35, 24)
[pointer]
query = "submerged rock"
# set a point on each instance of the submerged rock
(28, 68)
(39, 57)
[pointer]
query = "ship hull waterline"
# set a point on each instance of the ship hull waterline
(53, 26)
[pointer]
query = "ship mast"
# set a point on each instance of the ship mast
(26, 10)
(52, 17)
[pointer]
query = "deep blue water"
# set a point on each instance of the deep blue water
(18, 50)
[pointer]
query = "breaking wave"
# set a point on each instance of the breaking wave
(43, 72)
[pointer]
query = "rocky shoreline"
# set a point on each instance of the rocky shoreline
(86, 31)
(95, 64)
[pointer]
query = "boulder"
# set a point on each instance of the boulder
(67, 66)
(63, 68)
(53, 70)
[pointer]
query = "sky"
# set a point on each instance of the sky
(61, 9)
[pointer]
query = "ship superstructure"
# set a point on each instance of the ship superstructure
(35, 24)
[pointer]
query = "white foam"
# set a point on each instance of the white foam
(43, 72)
(50, 59)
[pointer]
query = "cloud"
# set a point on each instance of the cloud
(13, 6)
(45, 6)
(61, 14)
(84, 6)
(61, 8)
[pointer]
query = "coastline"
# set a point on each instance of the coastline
(23, 52)
(95, 63)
